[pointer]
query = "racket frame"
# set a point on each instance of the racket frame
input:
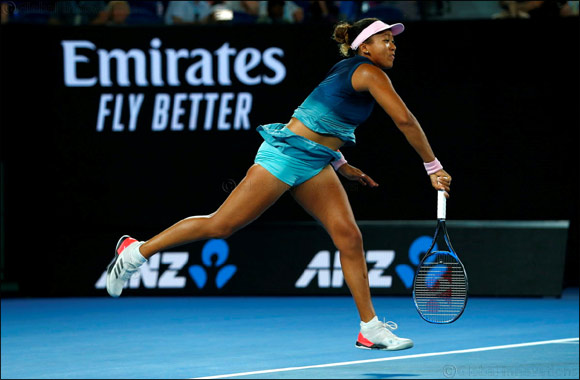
(441, 229)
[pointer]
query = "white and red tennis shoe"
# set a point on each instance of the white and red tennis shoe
(377, 335)
(126, 262)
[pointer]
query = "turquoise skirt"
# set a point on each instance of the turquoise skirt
(291, 158)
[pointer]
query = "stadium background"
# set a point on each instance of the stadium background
(498, 100)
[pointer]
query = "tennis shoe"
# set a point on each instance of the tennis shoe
(377, 335)
(126, 262)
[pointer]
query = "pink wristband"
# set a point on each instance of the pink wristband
(433, 166)
(338, 163)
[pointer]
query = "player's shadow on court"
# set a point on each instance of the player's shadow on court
(386, 375)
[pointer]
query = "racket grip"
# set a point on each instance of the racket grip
(441, 204)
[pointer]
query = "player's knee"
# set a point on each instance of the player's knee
(222, 231)
(218, 228)
(348, 237)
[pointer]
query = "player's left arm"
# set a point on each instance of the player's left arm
(352, 173)
(355, 174)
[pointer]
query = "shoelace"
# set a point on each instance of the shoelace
(390, 325)
(128, 273)
(129, 270)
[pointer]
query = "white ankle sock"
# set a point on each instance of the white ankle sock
(373, 322)
(136, 256)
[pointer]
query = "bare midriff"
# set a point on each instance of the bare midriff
(300, 129)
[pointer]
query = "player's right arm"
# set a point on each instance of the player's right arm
(370, 78)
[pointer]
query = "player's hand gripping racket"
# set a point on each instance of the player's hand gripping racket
(440, 284)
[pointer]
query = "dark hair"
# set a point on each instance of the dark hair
(345, 34)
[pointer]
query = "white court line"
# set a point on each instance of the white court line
(567, 340)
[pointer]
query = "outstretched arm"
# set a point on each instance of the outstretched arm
(370, 78)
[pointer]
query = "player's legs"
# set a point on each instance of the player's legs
(254, 194)
(324, 198)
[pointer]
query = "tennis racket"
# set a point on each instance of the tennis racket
(440, 284)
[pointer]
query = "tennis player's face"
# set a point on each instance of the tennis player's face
(382, 49)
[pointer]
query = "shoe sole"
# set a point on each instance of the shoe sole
(383, 348)
(114, 261)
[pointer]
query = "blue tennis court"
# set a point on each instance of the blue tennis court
(282, 337)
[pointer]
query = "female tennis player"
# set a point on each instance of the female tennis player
(301, 157)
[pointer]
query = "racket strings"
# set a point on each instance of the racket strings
(440, 288)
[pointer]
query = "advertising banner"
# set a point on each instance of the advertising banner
(501, 259)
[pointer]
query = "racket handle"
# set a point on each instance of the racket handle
(441, 204)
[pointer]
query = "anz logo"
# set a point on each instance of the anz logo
(320, 265)
(378, 262)
(418, 248)
(219, 249)
(214, 254)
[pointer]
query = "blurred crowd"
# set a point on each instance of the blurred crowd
(270, 12)
(537, 9)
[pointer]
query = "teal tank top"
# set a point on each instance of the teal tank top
(334, 107)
